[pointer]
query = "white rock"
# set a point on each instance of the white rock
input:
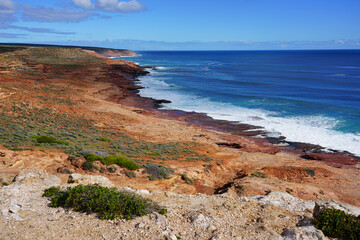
(332, 204)
(160, 219)
(128, 189)
(283, 200)
(303, 233)
(143, 192)
(36, 177)
(90, 179)
(140, 225)
(171, 237)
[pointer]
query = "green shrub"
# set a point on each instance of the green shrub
(130, 174)
(157, 171)
(107, 203)
(258, 174)
(104, 139)
(120, 161)
(311, 172)
(112, 169)
(110, 160)
(337, 224)
(92, 157)
(187, 180)
(89, 166)
(47, 139)
(163, 211)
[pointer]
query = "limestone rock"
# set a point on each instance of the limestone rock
(90, 179)
(332, 204)
(303, 233)
(171, 237)
(36, 177)
(160, 219)
(283, 200)
(198, 219)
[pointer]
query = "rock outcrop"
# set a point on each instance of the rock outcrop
(323, 204)
(25, 215)
(90, 179)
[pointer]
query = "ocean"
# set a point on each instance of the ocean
(310, 96)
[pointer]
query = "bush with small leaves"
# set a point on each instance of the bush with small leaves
(187, 180)
(130, 174)
(89, 166)
(107, 203)
(92, 157)
(47, 139)
(258, 174)
(311, 172)
(112, 169)
(120, 161)
(158, 171)
(337, 224)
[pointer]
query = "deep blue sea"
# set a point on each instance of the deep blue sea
(306, 96)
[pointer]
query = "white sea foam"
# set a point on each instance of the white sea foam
(309, 129)
(161, 68)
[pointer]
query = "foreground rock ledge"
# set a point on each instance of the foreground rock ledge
(25, 215)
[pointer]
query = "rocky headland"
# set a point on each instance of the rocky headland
(58, 105)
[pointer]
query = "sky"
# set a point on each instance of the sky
(185, 24)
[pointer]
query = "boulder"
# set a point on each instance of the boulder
(303, 233)
(90, 180)
(198, 219)
(36, 177)
(323, 204)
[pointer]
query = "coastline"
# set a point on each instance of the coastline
(306, 150)
(216, 155)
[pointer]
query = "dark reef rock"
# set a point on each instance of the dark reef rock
(332, 158)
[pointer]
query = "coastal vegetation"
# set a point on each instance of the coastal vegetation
(107, 203)
(337, 224)
(110, 160)
(42, 117)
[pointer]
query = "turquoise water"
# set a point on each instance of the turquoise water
(306, 96)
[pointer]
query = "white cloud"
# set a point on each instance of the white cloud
(87, 4)
(41, 14)
(110, 5)
(131, 6)
(7, 7)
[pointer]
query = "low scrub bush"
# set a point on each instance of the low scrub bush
(130, 174)
(112, 169)
(311, 172)
(92, 157)
(107, 203)
(337, 224)
(110, 160)
(187, 180)
(89, 166)
(47, 139)
(258, 174)
(157, 171)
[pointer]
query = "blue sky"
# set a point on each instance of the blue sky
(186, 24)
